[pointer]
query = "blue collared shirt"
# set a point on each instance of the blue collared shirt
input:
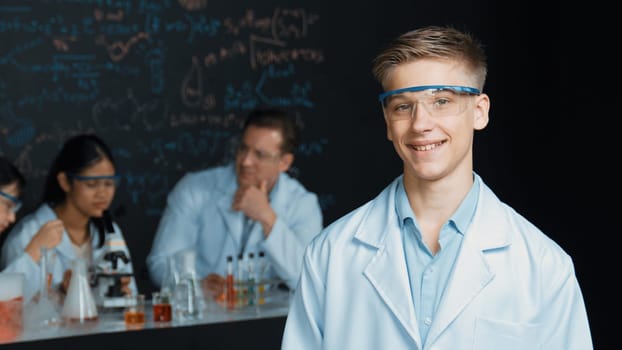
(429, 273)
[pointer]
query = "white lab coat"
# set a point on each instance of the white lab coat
(512, 287)
(14, 259)
(198, 216)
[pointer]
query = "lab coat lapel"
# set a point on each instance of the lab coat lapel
(468, 279)
(387, 273)
(471, 272)
(387, 269)
(233, 220)
(65, 248)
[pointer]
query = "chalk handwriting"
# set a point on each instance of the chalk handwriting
(166, 83)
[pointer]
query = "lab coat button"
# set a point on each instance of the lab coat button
(427, 321)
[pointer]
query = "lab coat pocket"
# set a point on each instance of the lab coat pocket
(495, 334)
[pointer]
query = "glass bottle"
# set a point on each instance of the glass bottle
(262, 264)
(251, 278)
(171, 276)
(230, 294)
(241, 282)
(188, 291)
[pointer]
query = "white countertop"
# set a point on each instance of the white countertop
(112, 320)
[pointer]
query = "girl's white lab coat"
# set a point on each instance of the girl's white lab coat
(14, 259)
(512, 287)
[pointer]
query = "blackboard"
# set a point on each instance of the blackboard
(166, 84)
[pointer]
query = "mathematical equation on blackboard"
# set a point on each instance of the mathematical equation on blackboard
(165, 83)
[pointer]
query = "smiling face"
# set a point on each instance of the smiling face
(90, 197)
(435, 147)
(7, 215)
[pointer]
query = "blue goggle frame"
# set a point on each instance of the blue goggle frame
(456, 88)
(98, 177)
(17, 204)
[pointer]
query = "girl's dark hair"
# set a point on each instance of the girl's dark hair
(76, 154)
(9, 174)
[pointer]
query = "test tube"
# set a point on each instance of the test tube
(241, 292)
(251, 279)
(261, 270)
(230, 295)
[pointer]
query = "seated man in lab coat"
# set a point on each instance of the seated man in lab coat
(436, 260)
(250, 206)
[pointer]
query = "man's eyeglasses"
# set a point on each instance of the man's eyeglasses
(12, 203)
(438, 100)
(106, 181)
(260, 155)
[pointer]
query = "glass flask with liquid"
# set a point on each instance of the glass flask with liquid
(79, 305)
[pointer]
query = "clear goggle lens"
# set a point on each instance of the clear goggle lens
(11, 202)
(438, 101)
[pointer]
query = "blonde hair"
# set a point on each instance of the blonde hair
(433, 42)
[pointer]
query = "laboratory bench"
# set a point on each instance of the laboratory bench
(247, 327)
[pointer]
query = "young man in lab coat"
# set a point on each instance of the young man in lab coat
(436, 260)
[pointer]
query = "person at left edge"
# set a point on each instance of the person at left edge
(79, 187)
(11, 184)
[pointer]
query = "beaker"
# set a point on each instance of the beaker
(134, 313)
(11, 306)
(79, 305)
(162, 310)
(189, 299)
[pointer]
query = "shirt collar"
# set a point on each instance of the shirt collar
(461, 218)
(402, 206)
(464, 214)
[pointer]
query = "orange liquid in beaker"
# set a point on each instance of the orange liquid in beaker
(78, 320)
(162, 312)
(11, 325)
(134, 317)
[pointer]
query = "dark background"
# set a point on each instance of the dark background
(167, 83)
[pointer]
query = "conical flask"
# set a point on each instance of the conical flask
(79, 305)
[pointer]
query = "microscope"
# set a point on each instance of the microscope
(110, 268)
